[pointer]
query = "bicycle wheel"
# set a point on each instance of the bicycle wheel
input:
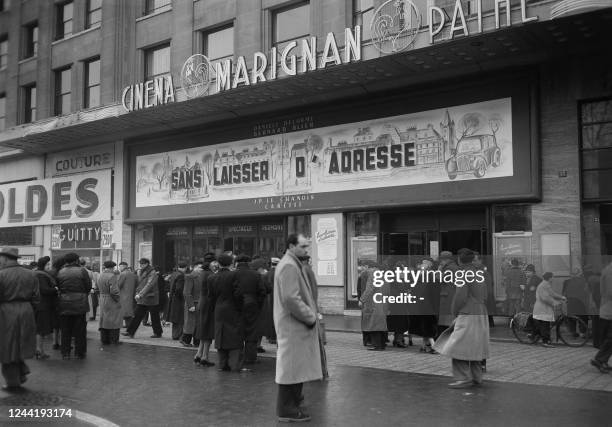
(568, 329)
(522, 328)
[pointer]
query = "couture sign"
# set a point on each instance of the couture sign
(74, 199)
(466, 142)
(90, 159)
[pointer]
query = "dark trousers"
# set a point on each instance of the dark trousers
(14, 373)
(177, 330)
(139, 314)
(109, 336)
(186, 338)
(542, 328)
(229, 359)
(605, 349)
(250, 351)
(127, 321)
(289, 399)
(366, 338)
(74, 326)
(94, 304)
(378, 339)
(597, 335)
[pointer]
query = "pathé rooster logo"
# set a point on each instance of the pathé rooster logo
(196, 75)
(395, 25)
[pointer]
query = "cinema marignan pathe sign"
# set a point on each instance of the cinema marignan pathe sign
(72, 199)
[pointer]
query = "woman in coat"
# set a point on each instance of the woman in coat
(206, 324)
(110, 306)
(373, 314)
(468, 343)
(45, 311)
(224, 293)
(544, 308)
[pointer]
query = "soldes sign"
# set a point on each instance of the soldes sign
(74, 199)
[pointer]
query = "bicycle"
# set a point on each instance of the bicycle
(566, 329)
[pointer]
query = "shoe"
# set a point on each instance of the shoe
(197, 360)
(185, 344)
(155, 336)
(461, 384)
(547, 345)
(399, 344)
(260, 350)
(376, 348)
(476, 383)
(206, 363)
(56, 346)
(300, 417)
(600, 365)
(13, 388)
(127, 334)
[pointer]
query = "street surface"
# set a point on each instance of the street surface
(158, 385)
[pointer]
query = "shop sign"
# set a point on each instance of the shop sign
(206, 230)
(465, 142)
(25, 260)
(177, 232)
(271, 228)
(107, 234)
(326, 239)
(148, 94)
(198, 73)
(395, 24)
(240, 229)
(85, 235)
(73, 199)
(95, 158)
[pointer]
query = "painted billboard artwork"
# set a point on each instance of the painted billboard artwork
(444, 145)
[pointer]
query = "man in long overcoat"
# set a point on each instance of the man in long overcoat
(110, 304)
(206, 323)
(147, 300)
(127, 288)
(295, 317)
(176, 304)
(191, 294)
(253, 292)
(18, 294)
(224, 294)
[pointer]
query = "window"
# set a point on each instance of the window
(154, 6)
(64, 20)
(2, 111)
(3, 51)
(92, 83)
(29, 104)
(290, 24)
(157, 61)
(219, 44)
(16, 236)
(363, 11)
(596, 149)
(30, 47)
(62, 91)
(94, 13)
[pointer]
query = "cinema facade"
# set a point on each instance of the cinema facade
(451, 127)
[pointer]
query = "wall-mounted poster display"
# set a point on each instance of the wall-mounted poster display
(466, 142)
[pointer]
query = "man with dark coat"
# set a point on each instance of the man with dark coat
(74, 286)
(224, 294)
(18, 294)
(253, 292)
(176, 304)
(447, 291)
(191, 294)
(268, 319)
(127, 289)
(147, 300)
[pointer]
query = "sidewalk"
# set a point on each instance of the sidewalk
(510, 361)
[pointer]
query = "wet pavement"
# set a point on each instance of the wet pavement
(133, 385)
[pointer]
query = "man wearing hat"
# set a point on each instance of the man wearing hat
(110, 304)
(147, 300)
(74, 285)
(18, 292)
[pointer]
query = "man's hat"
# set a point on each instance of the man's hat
(109, 264)
(446, 255)
(258, 263)
(274, 260)
(10, 252)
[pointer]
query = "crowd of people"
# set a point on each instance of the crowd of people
(235, 301)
